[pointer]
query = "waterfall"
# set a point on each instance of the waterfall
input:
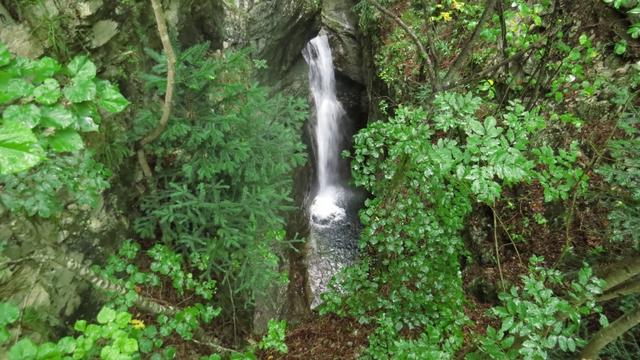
(329, 113)
(334, 225)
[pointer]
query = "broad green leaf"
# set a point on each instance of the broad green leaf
(5, 55)
(19, 149)
(8, 313)
(4, 334)
(476, 127)
(43, 68)
(80, 90)
(24, 349)
(13, 89)
(82, 68)
(57, 116)
(48, 93)
(67, 140)
(27, 115)
(106, 315)
(67, 345)
(87, 115)
(49, 350)
(109, 97)
(122, 319)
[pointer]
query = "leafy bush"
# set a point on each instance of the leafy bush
(424, 177)
(536, 320)
(623, 173)
(44, 108)
(223, 168)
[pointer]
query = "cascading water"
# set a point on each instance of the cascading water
(329, 112)
(333, 220)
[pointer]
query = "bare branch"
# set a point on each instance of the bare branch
(466, 50)
(431, 70)
(168, 96)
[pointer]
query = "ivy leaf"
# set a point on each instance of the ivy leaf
(82, 68)
(19, 149)
(48, 93)
(43, 68)
(27, 115)
(109, 97)
(106, 315)
(5, 55)
(57, 116)
(67, 140)
(14, 89)
(80, 90)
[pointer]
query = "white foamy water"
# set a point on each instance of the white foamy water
(329, 112)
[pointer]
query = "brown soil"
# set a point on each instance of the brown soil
(324, 338)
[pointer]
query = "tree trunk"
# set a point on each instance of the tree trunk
(608, 334)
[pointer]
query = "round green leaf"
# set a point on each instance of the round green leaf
(23, 350)
(8, 313)
(80, 90)
(67, 345)
(27, 115)
(67, 140)
(43, 68)
(82, 68)
(110, 99)
(106, 315)
(80, 325)
(13, 89)
(122, 319)
(57, 116)
(49, 350)
(19, 149)
(129, 346)
(48, 93)
(5, 55)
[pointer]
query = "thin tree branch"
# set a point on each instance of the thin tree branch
(632, 287)
(466, 50)
(423, 51)
(168, 96)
